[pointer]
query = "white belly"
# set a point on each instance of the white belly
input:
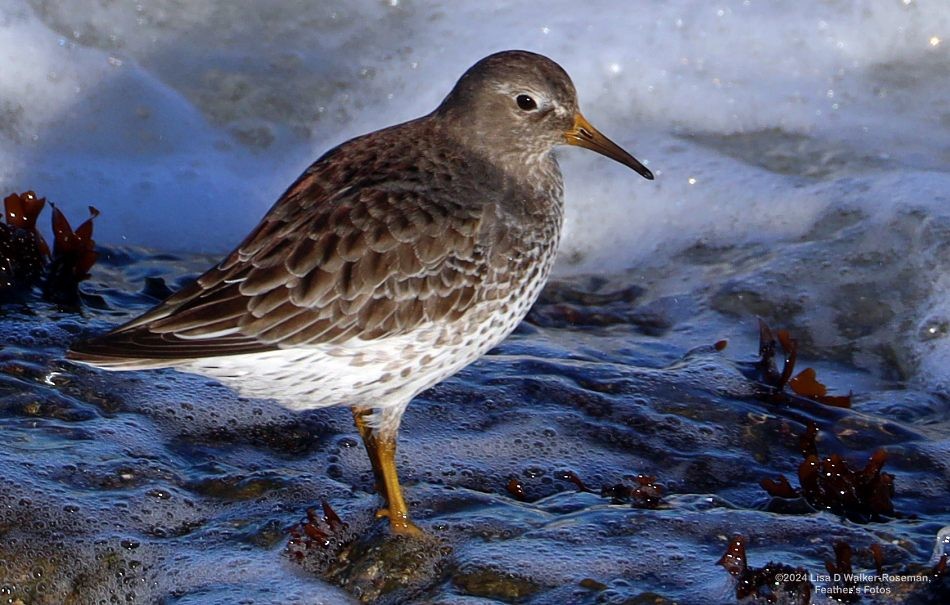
(382, 373)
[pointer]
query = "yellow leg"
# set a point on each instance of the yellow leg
(369, 442)
(381, 450)
(396, 508)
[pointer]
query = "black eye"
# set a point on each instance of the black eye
(525, 102)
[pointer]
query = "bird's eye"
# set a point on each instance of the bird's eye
(526, 103)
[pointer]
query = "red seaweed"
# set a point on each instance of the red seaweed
(845, 587)
(23, 252)
(877, 553)
(73, 255)
(830, 483)
(645, 494)
(317, 531)
(804, 384)
(21, 211)
(516, 488)
(572, 477)
(25, 257)
(772, 582)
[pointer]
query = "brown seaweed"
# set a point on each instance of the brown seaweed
(897, 584)
(845, 587)
(321, 531)
(804, 384)
(72, 258)
(572, 477)
(516, 488)
(773, 582)
(23, 251)
(26, 260)
(830, 483)
(646, 493)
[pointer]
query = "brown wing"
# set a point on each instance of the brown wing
(375, 258)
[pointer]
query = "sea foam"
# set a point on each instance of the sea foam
(183, 123)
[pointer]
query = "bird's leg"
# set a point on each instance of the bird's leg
(396, 509)
(369, 442)
(381, 449)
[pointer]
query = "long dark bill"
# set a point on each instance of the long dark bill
(584, 135)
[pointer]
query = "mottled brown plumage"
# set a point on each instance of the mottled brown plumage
(343, 255)
(392, 262)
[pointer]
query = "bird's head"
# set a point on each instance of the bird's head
(523, 102)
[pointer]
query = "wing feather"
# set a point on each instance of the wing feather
(360, 260)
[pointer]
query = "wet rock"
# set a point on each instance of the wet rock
(238, 487)
(492, 583)
(33, 406)
(591, 303)
(266, 535)
(299, 436)
(209, 482)
(55, 573)
(381, 565)
(367, 560)
(156, 288)
(648, 598)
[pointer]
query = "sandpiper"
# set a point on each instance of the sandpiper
(391, 263)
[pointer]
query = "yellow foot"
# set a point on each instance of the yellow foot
(400, 524)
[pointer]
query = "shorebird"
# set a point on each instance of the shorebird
(394, 261)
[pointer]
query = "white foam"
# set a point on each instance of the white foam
(184, 123)
(134, 109)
